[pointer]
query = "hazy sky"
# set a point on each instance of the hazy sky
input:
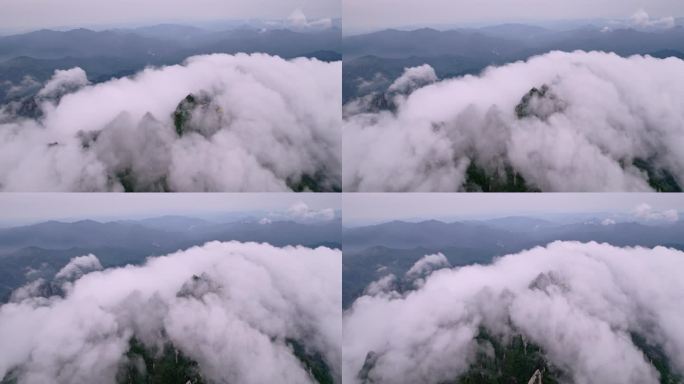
(26, 207)
(22, 14)
(370, 207)
(363, 15)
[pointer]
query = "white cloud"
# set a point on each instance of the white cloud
(228, 306)
(298, 19)
(26, 84)
(426, 265)
(641, 18)
(257, 123)
(383, 285)
(301, 211)
(584, 134)
(578, 302)
(646, 212)
(64, 82)
(607, 222)
(79, 266)
(413, 78)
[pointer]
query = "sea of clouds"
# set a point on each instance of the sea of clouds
(261, 123)
(231, 307)
(579, 302)
(600, 113)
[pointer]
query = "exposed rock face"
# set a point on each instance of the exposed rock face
(28, 108)
(540, 103)
(158, 364)
(137, 153)
(198, 113)
(198, 286)
(368, 365)
(659, 178)
(503, 179)
(536, 378)
(549, 281)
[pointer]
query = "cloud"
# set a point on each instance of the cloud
(215, 123)
(642, 19)
(79, 266)
(230, 307)
(557, 122)
(607, 222)
(298, 19)
(64, 82)
(427, 264)
(383, 285)
(301, 211)
(26, 85)
(413, 78)
(579, 302)
(646, 212)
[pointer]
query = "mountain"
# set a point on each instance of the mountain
(457, 52)
(171, 32)
(371, 252)
(367, 67)
(122, 52)
(665, 53)
(514, 31)
(511, 233)
(86, 233)
(432, 234)
(41, 250)
(173, 223)
(164, 41)
(392, 43)
(519, 223)
(48, 44)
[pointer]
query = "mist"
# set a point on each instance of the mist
(214, 123)
(231, 307)
(580, 302)
(580, 121)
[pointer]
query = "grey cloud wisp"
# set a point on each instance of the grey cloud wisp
(231, 307)
(215, 123)
(557, 122)
(580, 302)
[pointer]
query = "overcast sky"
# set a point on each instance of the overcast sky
(33, 14)
(360, 208)
(29, 207)
(364, 15)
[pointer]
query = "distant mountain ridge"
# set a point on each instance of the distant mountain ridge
(457, 52)
(373, 251)
(122, 52)
(42, 249)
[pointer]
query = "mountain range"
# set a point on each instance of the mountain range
(457, 52)
(121, 52)
(42, 249)
(371, 252)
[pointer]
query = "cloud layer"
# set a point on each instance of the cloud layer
(578, 302)
(229, 306)
(561, 121)
(216, 123)
(646, 212)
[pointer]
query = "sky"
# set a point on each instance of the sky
(362, 208)
(29, 207)
(34, 14)
(367, 15)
